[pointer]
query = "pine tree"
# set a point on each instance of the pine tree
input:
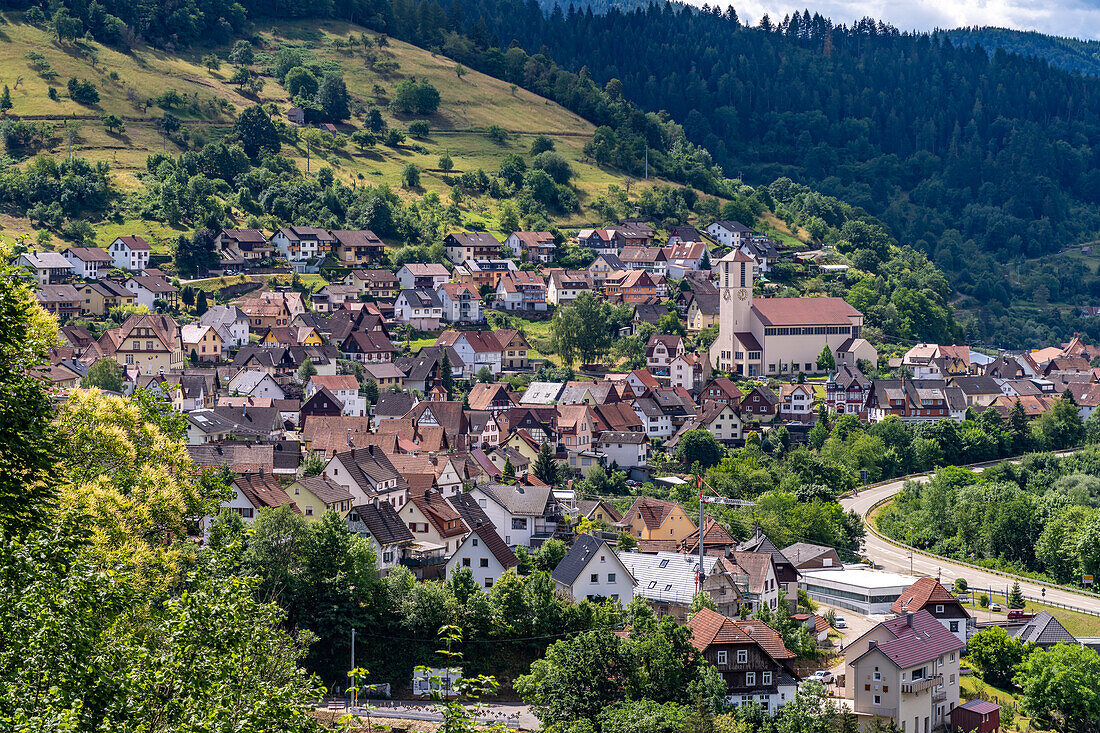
(1016, 597)
(1018, 427)
(5, 99)
(201, 305)
(825, 360)
(370, 389)
(446, 377)
(509, 469)
(704, 261)
(306, 370)
(546, 466)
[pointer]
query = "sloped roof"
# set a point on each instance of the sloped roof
(519, 500)
(382, 522)
(576, 560)
(325, 489)
(1044, 630)
(442, 515)
(804, 311)
(263, 490)
(924, 592)
(653, 512)
(801, 552)
(918, 638)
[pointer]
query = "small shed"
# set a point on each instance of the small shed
(976, 715)
(297, 115)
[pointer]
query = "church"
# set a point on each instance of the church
(773, 336)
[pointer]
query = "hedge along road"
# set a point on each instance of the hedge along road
(894, 556)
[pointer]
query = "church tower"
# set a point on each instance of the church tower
(734, 308)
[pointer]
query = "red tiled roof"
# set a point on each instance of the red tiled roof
(804, 311)
(918, 638)
(920, 594)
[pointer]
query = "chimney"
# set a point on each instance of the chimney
(427, 494)
(349, 437)
(871, 644)
(376, 502)
(909, 618)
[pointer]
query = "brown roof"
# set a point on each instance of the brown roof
(357, 238)
(134, 242)
(442, 515)
(335, 381)
(90, 254)
(804, 311)
(919, 595)
(710, 627)
(263, 490)
(653, 512)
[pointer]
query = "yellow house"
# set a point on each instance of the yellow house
(527, 446)
(316, 495)
(656, 519)
(292, 336)
(702, 313)
(202, 341)
(103, 295)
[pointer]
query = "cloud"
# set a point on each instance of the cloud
(1072, 18)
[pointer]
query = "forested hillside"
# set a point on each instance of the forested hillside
(1071, 54)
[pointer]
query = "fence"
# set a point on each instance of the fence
(1011, 576)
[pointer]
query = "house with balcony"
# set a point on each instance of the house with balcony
(152, 344)
(565, 285)
(477, 349)
(433, 521)
(523, 515)
(100, 296)
(661, 350)
(461, 302)
(357, 247)
(927, 594)
(368, 473)
(64, 301)
(905, 670)
(90, 263)
(650, 259)
(484, 272)
(521, 291)
(378, 284)
(302, 244)
(538, 246)
(48, 268)
(243, 244)
(756, 666)
(600, 241)
(796, 402)
(462, 246)
(846, 391)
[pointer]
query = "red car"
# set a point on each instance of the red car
(1017, 614)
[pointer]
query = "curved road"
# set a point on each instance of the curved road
(896, 559)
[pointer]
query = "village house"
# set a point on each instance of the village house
(928, 595)
(462, 246)
(148, 290)
(228, 319)
(565, 285)
(796, 402)
(129, 253)
(422, 276)
(358, 247)
(685, 257)
(100, 296)
(253, 492)
(255, 383)
(751, 657)
(657, 519)
(661, 350)
(722, 421)
(151, 344)
(344, 387)
(686, 371)
(521, 291)
(729, 233)
(421, 309)
(650, 259)
(301, 243)
(514, 349)
(602, 266)
(669, 581)
(461, 302)
(905, 670)
(847, 391)
(90, 263)
(632, 286)
(591, 570)
(482, 273)
(600, 241)
(64, 301)
(477, 349)
(367, 346)
(48, 268)
(524, 515)
(377, 284)
(315, 495)
(201, 343)
(537, 246)
(388, 534)
(434, 522)
(243, 244)
(368, 473)
(806, 556)
(623, 449)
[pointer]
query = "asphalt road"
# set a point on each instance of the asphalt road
(897, 559)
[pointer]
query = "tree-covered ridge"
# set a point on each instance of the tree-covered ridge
(962, 154)
(1071, 54)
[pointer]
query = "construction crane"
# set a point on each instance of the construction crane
(705, 499)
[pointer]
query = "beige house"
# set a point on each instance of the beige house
(316, 494)
(433, 522)
(152, 344)
(202, 341)
(905, 670)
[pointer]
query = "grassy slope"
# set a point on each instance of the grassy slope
(469, 104)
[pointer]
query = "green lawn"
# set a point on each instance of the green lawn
(1078, 624)
(970, 688)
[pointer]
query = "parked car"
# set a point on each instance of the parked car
(1018, 614)
(964, 599)
(823, 676)
(996, 607)
(840, 623)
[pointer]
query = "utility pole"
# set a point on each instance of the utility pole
(354, 687)
(647, 161)
(910, 549)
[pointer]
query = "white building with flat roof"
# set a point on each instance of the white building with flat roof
(856, 587)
